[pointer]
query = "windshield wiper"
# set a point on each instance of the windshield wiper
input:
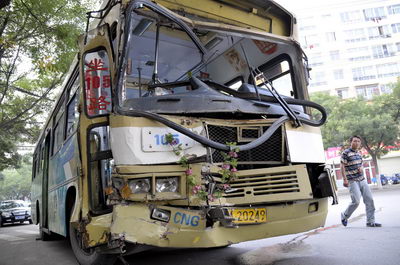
(268, 84)
(255, 72)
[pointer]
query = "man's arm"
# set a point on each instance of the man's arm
(345, 181)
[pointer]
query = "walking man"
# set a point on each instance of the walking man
(353, 177)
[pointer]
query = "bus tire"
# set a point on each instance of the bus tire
(87, 257)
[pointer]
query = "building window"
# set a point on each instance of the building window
(386, 88)
(384, 50)
(368, 91)
(316, 60)
(335, 55)
(338, 74)
(363, 73)
(343, 92)
(374, 14)
(359, 53)
(351, 17)
(398, 46)
(395, 9)
(396, 28)
(388, 69)
(311, 41)
(354, 35)
(330, 36)
(379, 32)
(317, 79)
(310, 27)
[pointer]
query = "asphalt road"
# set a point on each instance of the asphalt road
(331, 245)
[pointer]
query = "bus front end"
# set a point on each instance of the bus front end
(211, 140)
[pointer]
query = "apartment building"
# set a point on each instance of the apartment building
(353, 47)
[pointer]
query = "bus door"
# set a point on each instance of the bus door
(45, 149)
(97, 71)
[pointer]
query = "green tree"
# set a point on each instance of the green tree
(37, 44)
(376, 121)
(16, 183)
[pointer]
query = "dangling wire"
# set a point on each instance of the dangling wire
(90, 15)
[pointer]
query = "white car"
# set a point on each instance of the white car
(14, 211)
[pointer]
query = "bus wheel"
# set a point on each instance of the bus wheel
(87, 256)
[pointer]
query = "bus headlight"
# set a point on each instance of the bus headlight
(140, 185)
(170, 184)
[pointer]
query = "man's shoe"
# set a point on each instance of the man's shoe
(344, 219)
(374, 224)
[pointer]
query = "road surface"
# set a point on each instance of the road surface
(331, 245)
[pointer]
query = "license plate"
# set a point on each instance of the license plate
(19, 217)
(249, 215)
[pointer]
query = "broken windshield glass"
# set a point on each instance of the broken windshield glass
(158, 51)
(161, 60)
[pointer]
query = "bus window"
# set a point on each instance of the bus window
(58, 131)
(100, 166)
(72, 114)
(235, 83)
(34, 167)
(74, 88)
(280, 76)
(97, 83)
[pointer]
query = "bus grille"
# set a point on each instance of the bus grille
(284, 182)
(271, 151)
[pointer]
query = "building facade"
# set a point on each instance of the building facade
(353, 47)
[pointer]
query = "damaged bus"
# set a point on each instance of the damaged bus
(182, 125)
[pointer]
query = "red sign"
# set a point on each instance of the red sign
(266, 47)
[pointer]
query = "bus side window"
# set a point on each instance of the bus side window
(35, 165)
(100, 166)
(58, 129)
(97, 83)
(72, 109)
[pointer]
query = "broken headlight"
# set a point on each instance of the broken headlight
(170, 184)
(118, 183)
(140, 185)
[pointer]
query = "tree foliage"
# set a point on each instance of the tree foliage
(376, 121)
(16, 183)
(37, 44)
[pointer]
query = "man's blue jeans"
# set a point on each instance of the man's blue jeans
(358, 189)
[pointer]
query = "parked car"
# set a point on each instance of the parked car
(384, 180)
(14, 211)
(396, 178)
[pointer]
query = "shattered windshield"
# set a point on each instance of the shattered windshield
(150, 62)
(161, 59)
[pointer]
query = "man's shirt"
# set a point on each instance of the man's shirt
(352, 161)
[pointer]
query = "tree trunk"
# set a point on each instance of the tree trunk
(377, 175)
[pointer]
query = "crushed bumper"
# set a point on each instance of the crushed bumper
(189, 228)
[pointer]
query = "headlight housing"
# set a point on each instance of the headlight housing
(140, 185)
(169, 184)
(118, 183)
(6, 214)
